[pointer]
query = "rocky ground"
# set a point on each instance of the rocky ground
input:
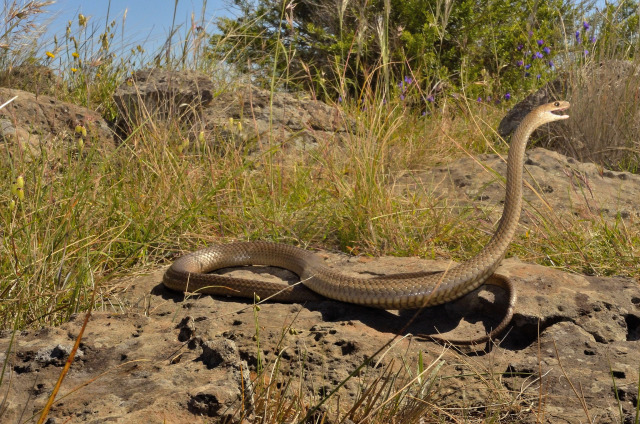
(167, 358)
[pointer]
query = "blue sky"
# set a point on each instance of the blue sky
(148, 20)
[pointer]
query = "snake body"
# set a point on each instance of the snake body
(397, 291)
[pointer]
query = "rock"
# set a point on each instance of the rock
(237, 118)
(160, 94)
(36, 79)
(139, 370)
(280, 118)
(563, 185)
(42, 122)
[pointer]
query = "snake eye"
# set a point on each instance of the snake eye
(556, 104)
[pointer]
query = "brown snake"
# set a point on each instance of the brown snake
(397, 291)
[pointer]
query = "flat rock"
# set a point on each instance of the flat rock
(186, 359)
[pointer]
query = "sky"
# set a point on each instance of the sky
(148, 22)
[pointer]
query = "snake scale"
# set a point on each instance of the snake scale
(397, 291)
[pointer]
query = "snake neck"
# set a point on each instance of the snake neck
(494, 251)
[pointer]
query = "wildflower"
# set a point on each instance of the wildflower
(527, 66)
(402, 97)
(75, 54)
(339, 99)
(74, 69)
(586, 26)
(593, 39)
(538, 76)
(430, 99)
(507, 96)
(546, 50)
(586, 52)
(479, 100)
(539, 55)
(51, 55)
(578, 36)
(80, 129)
(408, 80)
(540, 42)
(551, 64)
(520, 63)
(520, 46)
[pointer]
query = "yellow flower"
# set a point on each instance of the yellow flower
(51, 55)
(74, 69)
(75, 54)
(81, 130)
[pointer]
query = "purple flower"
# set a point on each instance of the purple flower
(520, 46)
(408, 80)
(578, 36)
(520, 63)
(538, 76)
(527, 74)
(539, 55)
(402, 97)
(586, 25)
(339, 99)
(430, 99)
(400, 84)
(593, 39)
(527, 66)
(540, 42)
(586, 52)
(507, 96)
(551, 64)
(424, 113)
(479, 100)
(546, 50)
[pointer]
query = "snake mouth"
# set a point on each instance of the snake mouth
(560, 112)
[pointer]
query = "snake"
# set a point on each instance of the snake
(192, 272)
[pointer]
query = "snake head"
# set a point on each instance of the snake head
(552, 111)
